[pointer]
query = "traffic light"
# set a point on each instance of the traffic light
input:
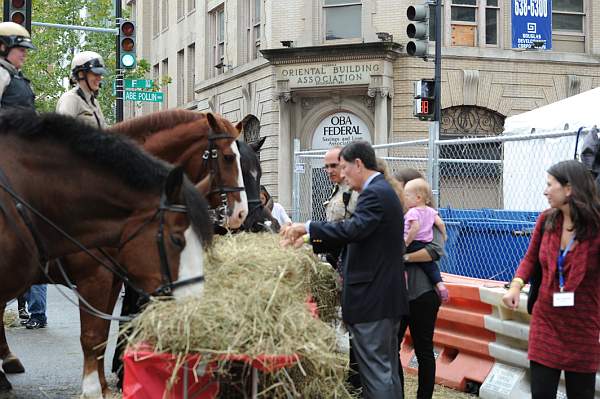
(424, 99)
(19, 12)
(418, 30)
(127, 45)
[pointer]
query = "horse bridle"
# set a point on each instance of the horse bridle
(168, 284)
(210, 161)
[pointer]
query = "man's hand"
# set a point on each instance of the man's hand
(293, 235)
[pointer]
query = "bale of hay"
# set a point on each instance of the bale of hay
(254, 303)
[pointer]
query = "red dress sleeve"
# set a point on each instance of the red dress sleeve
(532, 256)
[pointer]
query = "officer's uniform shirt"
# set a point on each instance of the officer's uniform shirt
(80, 103)
(335, 208)
(15, 89)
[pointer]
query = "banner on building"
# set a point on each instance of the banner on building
(339, 129)
(532, 24)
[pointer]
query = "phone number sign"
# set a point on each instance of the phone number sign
(532, 24)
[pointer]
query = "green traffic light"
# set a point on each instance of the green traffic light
(127, 61)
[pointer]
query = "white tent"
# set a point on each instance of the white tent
(526, 162)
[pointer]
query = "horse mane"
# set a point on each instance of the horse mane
(117, 154)
(144, 126)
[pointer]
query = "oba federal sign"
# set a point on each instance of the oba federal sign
(532, 24)
(338, 130)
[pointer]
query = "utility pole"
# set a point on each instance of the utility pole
(118, 70)
(435, 181)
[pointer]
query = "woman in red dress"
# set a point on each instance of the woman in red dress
(565, 322)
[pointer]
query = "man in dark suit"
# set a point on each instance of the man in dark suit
(374, 296)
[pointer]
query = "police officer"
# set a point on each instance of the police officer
(87, 70)
(16, 92)
(15, 89)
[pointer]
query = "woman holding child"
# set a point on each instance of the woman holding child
(424, 247)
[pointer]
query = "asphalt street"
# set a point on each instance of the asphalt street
(52, 356)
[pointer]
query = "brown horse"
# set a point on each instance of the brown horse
(105, 192)
(180, 137)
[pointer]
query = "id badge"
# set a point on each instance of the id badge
(563, 299)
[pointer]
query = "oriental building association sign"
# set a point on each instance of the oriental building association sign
(339, 129)
(330, 74)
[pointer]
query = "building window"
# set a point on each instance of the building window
(474, 23)
(180, 78)
(155, 17)
(165, 87)
(253, 19)
(191, 72)
(165, 14)
(217, 34)
(180, 10)
(342, 19)
(567, 15)
(191, 5)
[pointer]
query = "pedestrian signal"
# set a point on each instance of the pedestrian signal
(127, 45)
(19, 12)
(424, 96)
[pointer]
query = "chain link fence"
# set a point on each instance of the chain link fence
(490, 193)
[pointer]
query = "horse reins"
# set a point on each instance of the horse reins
(210, 161)
(114, 267)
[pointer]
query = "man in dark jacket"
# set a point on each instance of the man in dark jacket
(374, 296)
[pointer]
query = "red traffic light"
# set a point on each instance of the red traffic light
(127, 28)
(17, 17)
(17, 3)
(127, 44)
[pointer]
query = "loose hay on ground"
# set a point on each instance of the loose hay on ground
(10, 318)
(254, 303)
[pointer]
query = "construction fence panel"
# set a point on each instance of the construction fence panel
(490, 193)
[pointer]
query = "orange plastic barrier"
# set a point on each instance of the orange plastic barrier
(461, 342)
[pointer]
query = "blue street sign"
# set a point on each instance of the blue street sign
(532, 24)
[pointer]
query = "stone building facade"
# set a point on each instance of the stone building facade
(304, 67)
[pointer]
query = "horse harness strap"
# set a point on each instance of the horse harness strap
(168, 284)
(211, 163)
(21, 209)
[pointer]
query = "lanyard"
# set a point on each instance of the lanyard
(561, 262)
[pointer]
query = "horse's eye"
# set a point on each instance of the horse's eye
(229, 157)
(178, 241)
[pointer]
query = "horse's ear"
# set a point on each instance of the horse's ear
(173, 185)
(257, 145)
(241, 126)
(212, 122)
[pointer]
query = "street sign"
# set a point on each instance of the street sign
(532, 24)
(148, 96)
(138, 83)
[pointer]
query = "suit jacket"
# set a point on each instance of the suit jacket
(373, 270)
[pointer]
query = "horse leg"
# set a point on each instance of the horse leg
(93, 282)
(10, 363)
(5, 353)
(116, 290)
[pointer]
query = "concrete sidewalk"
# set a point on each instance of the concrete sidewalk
(52, 356)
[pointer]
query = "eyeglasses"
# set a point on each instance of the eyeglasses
(330, 166)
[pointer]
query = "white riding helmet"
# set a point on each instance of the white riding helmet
(88, 61)
(14, 35)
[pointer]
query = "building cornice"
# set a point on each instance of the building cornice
(333, 53)
(528, 56)
(231, 75)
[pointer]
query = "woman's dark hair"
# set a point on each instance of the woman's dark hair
(263, 189)
(405, 175)
(362, 150)
(584, 201)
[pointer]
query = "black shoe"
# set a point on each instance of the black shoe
(34, 324)
(23, 315)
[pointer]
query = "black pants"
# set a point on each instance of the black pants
(544, 383)
(423, 314)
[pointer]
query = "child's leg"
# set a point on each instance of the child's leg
(432, 271)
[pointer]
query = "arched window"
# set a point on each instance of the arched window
(470, 173)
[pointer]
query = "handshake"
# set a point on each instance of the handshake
(293, 235)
